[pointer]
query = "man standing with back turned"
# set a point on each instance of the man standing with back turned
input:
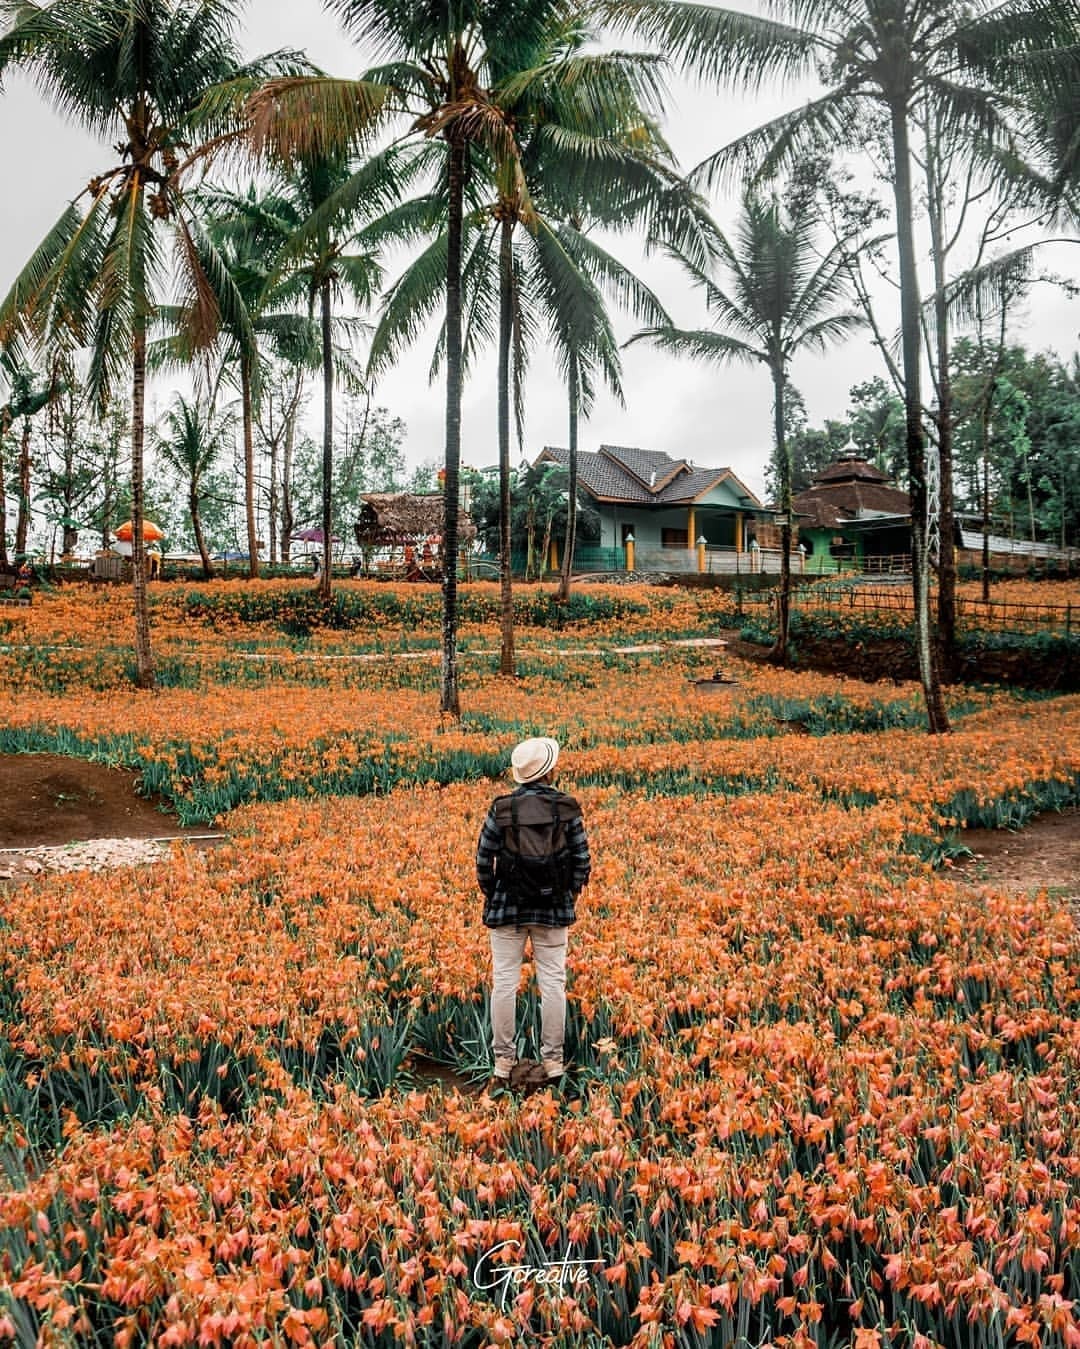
(531, 863)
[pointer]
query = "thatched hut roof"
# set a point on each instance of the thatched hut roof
(405, 517)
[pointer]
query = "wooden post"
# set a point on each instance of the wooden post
(629, 552)
(738, 532)
(691, 524)
(701, 554)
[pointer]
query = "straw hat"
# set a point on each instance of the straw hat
(534, 758)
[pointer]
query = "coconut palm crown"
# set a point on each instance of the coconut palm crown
(136, 73)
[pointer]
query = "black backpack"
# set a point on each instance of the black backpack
(534, 866)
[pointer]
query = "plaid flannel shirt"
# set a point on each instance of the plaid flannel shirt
(502, 911)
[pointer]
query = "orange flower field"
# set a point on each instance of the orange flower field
(824, 1092)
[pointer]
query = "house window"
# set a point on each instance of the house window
(674, 538)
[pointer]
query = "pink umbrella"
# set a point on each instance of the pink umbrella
(313, 536)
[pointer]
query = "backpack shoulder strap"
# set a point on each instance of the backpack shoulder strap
(568, 807)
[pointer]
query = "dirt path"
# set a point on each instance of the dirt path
(87, 812)
(49, 800)
(1044, 855)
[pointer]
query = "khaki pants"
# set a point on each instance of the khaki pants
(549, 954)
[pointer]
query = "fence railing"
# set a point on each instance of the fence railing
(1003, 615)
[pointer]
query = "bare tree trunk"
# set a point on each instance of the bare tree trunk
(506, 301)
(450, 701)
(22, 522)
(328, 440)
(249, 467)
(144, 658)
(273, 503)
(572, 483)
(779, 652)
(936, 716)
(984, 419)
(946, 612)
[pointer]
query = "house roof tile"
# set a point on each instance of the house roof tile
(828, 505)
(644, 477)
(602, 476)
(851, 470)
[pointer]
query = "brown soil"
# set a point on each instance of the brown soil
(49, 799)
(1043, 856)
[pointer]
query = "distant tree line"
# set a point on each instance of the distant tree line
(500, 143)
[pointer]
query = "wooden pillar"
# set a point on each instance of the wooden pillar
(691, 526)
(701, 554)
(629, 552)
(738, 531)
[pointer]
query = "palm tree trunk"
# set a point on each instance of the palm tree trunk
(328, 438)
(288, 521)
(144, 658)
(530, 537)
(5, 427)
(571, 487)
(506, 300)
(449, 701)
(196, 526)
(783, 468)
(22, 522)
(910, 320)
(249, 467)
(545, 549)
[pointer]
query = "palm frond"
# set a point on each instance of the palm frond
(719, 44)
(374, 189)
(771, 149)
(699, 344)
(834, 328)
(60, 249)
(314, 117)
(409, 305)
(200, 309)
(979, 291)
(628, 291)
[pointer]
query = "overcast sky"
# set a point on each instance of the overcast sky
(710, 416)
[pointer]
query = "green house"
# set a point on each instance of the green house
(852, 516)
(666, 504)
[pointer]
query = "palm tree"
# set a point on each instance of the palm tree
(26, 398)
(244, 233)
(332, 221)
(571, 113)
(897, 56)
(781, 301)
(221, 317)
(190, 442)
(137, 73)
(650, 195)
(438, 72)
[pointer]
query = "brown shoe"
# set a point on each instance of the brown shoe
(536, 1079)
(521, 1074)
